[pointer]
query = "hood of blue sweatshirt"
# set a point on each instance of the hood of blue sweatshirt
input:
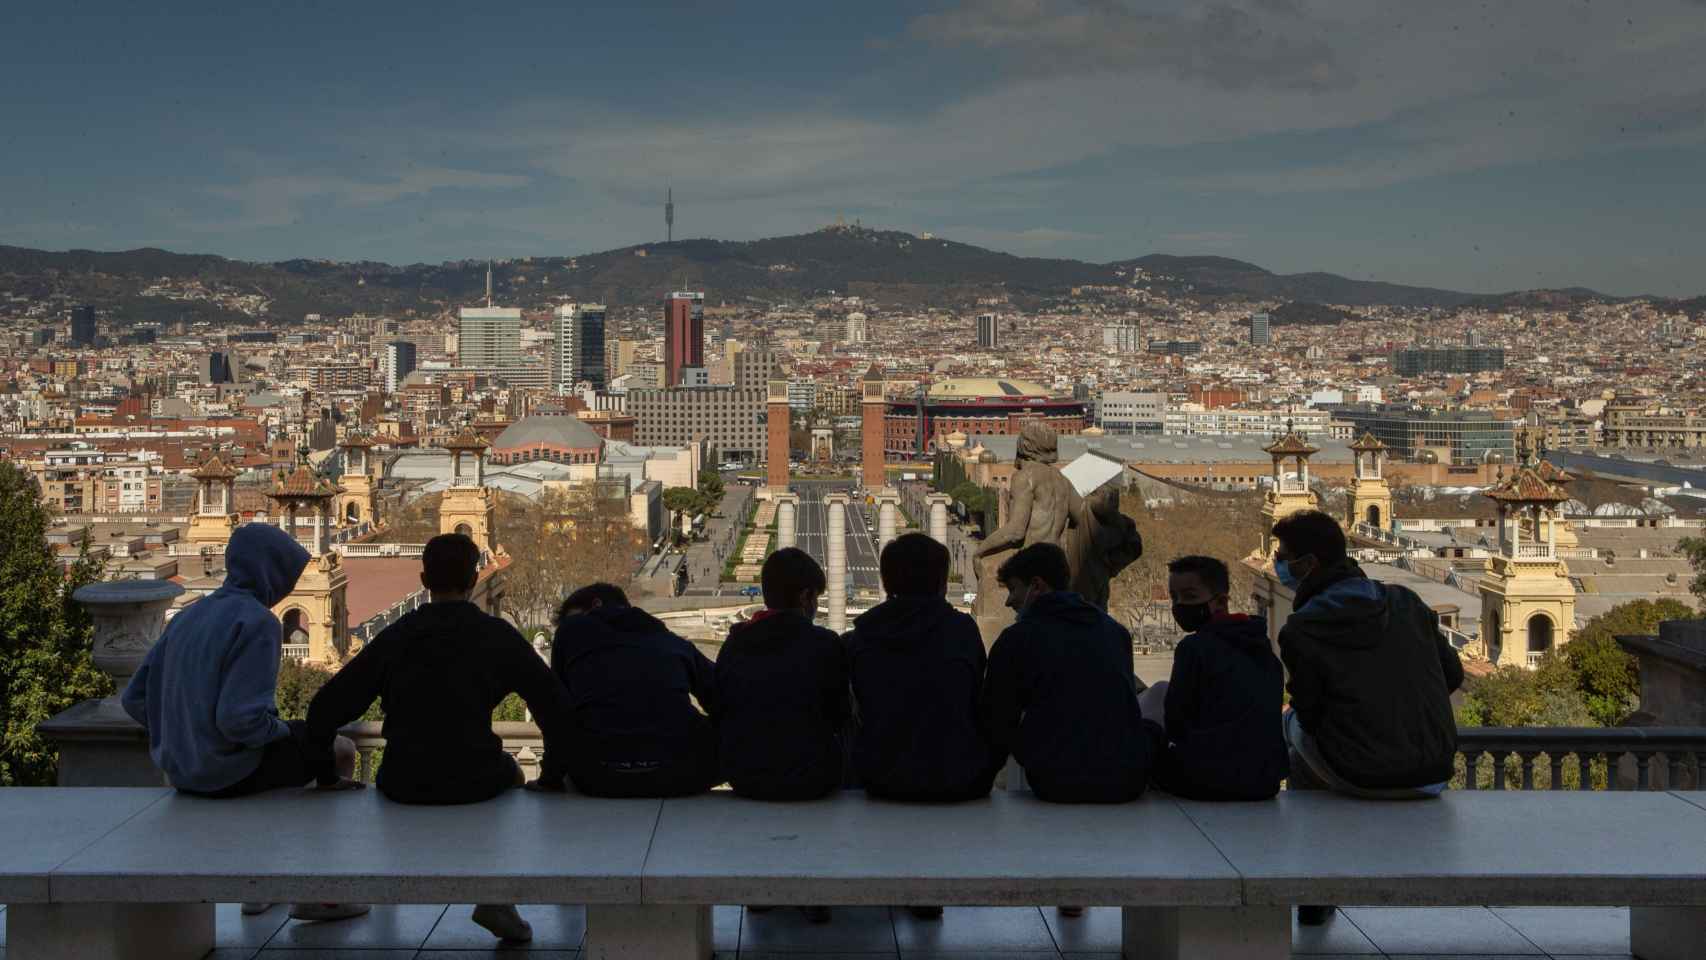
(264, 562)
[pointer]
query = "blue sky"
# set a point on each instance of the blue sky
(1478, 146)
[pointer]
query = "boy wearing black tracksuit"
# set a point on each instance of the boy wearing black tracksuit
(1060, 694)
(917, 666)
(1223, 703)
(631, 685)
(782, 690)
(440, 672)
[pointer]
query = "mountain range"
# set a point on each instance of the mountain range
(152, 284)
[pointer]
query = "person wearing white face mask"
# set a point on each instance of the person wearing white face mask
(1370, 674)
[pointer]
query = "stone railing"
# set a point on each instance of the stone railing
(1616, 758)
(1600, 754)
(294, 651)
(521, 741)
(379, 549)
(1534, 551)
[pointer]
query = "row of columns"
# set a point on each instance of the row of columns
(888, 522)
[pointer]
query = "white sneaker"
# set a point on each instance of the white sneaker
(504, 921)
(325, 912)
(255, 909)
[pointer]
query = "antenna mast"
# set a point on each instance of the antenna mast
(488, 283)
(669, 214)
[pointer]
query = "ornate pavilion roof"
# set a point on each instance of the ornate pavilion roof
(1368, 443)
(213, 468)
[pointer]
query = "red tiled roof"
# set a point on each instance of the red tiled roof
(375, 583)
(1289, 445)
(303, 483)
(1368, 442)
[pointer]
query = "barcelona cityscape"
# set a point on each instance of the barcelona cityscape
(964, 479)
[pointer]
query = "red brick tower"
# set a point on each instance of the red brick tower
(872, 410)
(776, 441)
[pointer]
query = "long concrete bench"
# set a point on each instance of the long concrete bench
(133, 873)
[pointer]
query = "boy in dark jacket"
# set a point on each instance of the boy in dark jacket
(1371, 676)
(631, 685)
(1223, 703)
(782, 690)
(207, 693)
(917, 666)
(1060, 694)
(440, 671)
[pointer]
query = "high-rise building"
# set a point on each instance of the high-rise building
(397, 362)
(82, 325)
(683, 334)
(216, 367)
(579, 353)
(1261, 334)
(988, 331)
(1413, 361)
(857, 331)
(1123, 336)
(489, 338)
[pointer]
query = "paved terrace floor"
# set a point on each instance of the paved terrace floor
(867, 933)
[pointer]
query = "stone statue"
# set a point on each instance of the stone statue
(1099, 540)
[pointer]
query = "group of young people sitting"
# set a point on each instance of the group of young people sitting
(906, 706)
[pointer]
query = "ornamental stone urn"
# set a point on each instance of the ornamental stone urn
(99, 744)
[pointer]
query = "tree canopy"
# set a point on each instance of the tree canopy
(45, 638)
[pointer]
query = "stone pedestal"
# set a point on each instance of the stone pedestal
(110, 931)
(99, 744)
(836, 553)
(787, 520)
(937, 504)
(1673, 692)
(888, 517)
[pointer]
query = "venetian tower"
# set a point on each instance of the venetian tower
(216, 505)
(316, 612)
(356, 502)
(1528, 604)
(1290, 492)
(1370, 497)
(469, 506)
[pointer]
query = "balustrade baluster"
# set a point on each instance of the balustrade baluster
(1528, 768)
(1584, 770)
(1555, 760)
(1471, 768)
(1499, 757)
(1643, 771)
(1675, 763)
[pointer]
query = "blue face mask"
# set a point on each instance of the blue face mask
(1282, 570)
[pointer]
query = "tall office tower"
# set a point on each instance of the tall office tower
(82, 325)
(489, 338)
(1260, 333)
(857, 332)
(1124, 336)
(215, 367)
(396, 363)
(579, 353)
(683, 334)
(1474, 338)
(988, 331)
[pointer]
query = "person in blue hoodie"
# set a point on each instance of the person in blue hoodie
(1371, 676)
(1223, 701)
(1060, 694)
(206, 691)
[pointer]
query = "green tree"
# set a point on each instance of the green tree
(1605, 674)
(297, 684)
(45, 640)
(681, 501)
(1547, 696)
(711, 485)
(1694, 548)
(971, 496)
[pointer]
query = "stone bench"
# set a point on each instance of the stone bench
(110, 872)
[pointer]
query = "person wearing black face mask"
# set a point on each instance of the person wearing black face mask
(1223, 702)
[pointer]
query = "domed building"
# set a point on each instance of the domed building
(973, 407)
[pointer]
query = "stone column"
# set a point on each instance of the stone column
(888, 510)
(836, 553)
(787, 520)
(99, 744)
(938, 504)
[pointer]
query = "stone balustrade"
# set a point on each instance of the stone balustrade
(1661, 757)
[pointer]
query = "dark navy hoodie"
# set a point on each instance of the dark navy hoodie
(1061, 697)
(783, 706)
(1223, 714)
(917, 665)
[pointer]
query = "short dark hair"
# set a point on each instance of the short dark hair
(1314, 534)
(913, 564)
(1211, 572)
(450, 563)
(604, 594)
(785, 573)
(1043, 560)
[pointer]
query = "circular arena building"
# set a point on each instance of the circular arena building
(974, 406)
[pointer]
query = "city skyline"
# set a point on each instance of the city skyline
(1470, 149)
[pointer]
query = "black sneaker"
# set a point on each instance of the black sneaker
(926, 913)
(1313, 916)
